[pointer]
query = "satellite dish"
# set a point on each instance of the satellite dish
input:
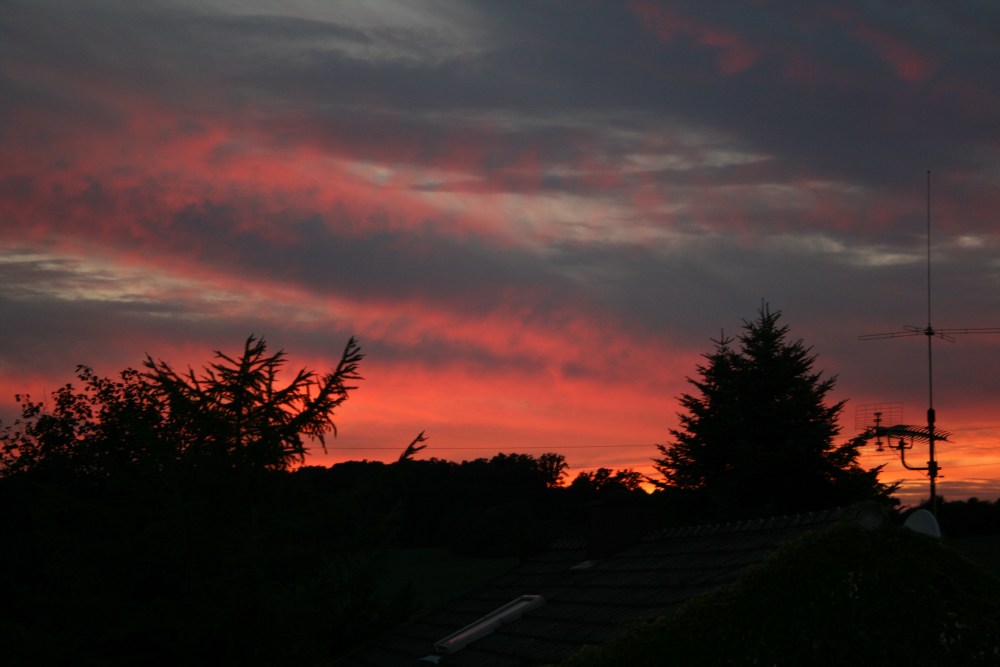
(924, 522)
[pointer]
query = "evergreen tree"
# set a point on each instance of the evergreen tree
(758, 437)
(236, 414)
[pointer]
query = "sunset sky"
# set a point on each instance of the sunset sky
(533, 215)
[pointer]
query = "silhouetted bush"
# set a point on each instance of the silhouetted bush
(149, 519)
(155, 518)
(142, 425)
(968, 518)
(848, 596)
(238, 569)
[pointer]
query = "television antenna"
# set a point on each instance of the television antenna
(930, 433)
(873, 414)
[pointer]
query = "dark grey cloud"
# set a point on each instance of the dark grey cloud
(546, 62)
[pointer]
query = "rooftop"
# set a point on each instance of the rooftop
(587, 600)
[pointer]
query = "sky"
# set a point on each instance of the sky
(535, 216)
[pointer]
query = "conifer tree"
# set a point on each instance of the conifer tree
(236, 414)
(758, 436)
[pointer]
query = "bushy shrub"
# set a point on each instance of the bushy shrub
(847, 596)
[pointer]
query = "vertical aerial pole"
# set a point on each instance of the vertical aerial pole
(931, 434)
(932, 467)
(928, 248)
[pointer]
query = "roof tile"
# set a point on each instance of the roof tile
(594, 604)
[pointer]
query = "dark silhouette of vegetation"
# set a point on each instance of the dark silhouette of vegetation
(507, 505)
(887, 596)
(159, 517)
(967, 518)
(606, 480)
(757, 437)
(227, 569)
(552, 468)
(106, 429)
(234, 415)
(152, 519)
(414, 448)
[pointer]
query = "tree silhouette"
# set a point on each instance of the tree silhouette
(552, 468)
(150, 518)
(757, 437)
(414, 448)
(604, 479)
(235, 414)
(106, 427)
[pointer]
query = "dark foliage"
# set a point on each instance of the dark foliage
(507, 505)
(108, 428)
(150, 519)
(968, 518)
(848, 596)
(415, 447)
(232, 569)
(607, 481)
(758, 438)
(235, 415)
(552, 468)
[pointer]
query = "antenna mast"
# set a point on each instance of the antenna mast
(932, 466)
(929, 433)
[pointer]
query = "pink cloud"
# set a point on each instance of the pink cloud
(125, 184)
(905, 61)
(908, 64)
(734, 53)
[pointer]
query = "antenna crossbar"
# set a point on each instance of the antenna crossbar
(907, 334)
(969, 331)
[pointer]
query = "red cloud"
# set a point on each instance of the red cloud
(735, 54)
(125, 183)
(908, 64)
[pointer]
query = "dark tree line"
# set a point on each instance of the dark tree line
(505, 505)
(160, 516)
